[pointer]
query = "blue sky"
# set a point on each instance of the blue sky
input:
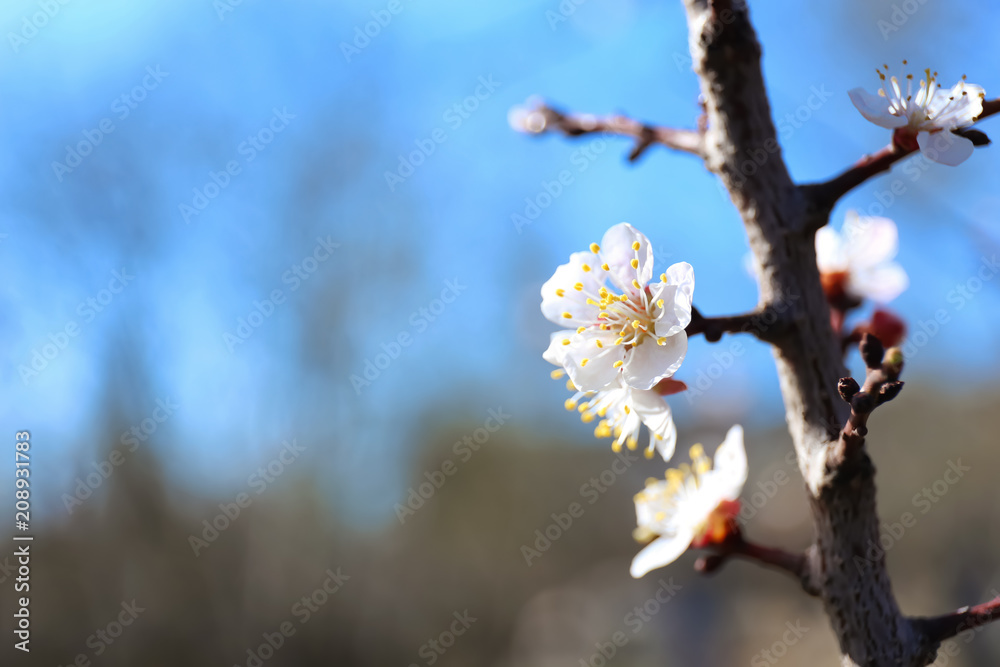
(308, 128)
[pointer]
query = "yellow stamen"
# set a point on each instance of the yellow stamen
(557, 373)
(635, 264)
(585, 267)
(594, 248)
(560, 292)
(618, 364)
(636, 245)
(567, 316)
(570, 404)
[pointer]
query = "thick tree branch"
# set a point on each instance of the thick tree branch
(822, 196)
(544, 118)
(780, 219)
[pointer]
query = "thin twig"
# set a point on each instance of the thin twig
(939, 628)
(766, 324)
(576, 125)
(795, 564)
(825, 194)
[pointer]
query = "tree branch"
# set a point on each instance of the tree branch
(881, 385)
(544, 118)
(939, 628)
(824, 195)
(766, 323)
(798, 565)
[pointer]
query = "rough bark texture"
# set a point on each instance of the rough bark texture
(780, 222)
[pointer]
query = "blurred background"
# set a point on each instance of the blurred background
(271, 316)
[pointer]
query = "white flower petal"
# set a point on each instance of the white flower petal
(869, 240)
(617, 252)
(681, 275)
(661, 551)
(875, 108)
(881, 284)
(830, 255)
(649, 362)
(731, 463)
(573, 301)
(656, 415)
(945, 147)
(599, 368)
(556, 352)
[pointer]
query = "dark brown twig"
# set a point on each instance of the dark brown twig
(797, 565)
(881, 385)
(825, 194)
(939, 628)
(766, 324)
(575, 125)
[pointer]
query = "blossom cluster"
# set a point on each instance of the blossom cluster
(623, 327)
(624, 338)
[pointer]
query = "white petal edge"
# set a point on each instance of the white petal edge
(660, 552)
(648, 363)
(731, 463)
(616, 250)
(875, 109)
(945, 147)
